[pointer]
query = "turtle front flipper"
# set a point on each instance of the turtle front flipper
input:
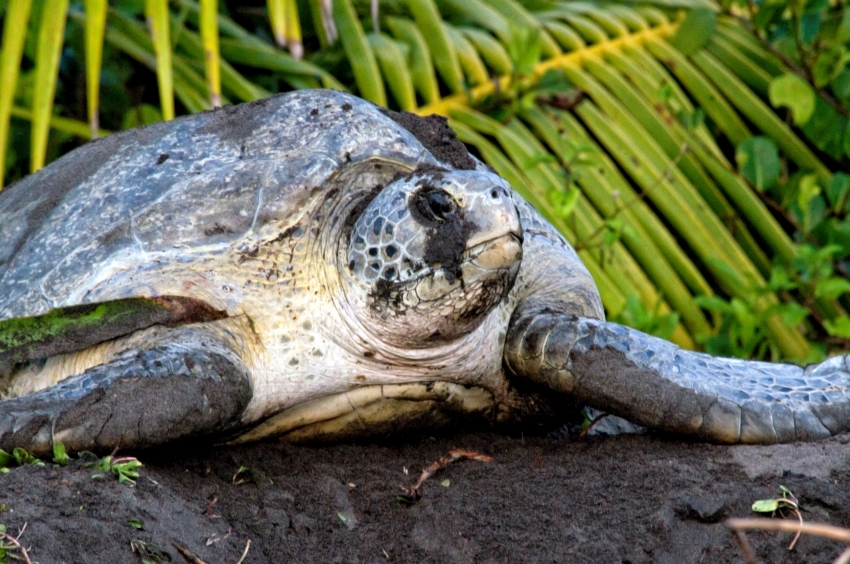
(188, 383)
(654, 383)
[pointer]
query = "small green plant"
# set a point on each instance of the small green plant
(787, 501)
(11, 548)
(125, 468)
(241, 476)
(60, 457)
(149, 553)
(18, 457)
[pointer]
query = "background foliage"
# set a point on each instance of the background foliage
(693, 152)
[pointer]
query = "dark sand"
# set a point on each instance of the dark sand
(622, 499)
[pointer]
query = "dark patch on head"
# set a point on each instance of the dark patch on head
(447, 228)
(218, 229)
(492, 293)
(347, 157)
(369, 354)
(162, 158)
(314, 112)
(446, 245)
(388, 294)
(346, 107)
(435, 135)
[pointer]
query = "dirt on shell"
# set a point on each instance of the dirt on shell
(622, 499)
(435, 135)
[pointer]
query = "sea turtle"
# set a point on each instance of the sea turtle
(314, 267)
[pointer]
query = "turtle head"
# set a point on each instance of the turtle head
(433, 254)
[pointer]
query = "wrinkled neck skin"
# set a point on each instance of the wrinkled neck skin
(552, 277)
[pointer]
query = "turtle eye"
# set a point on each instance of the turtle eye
(435, 205)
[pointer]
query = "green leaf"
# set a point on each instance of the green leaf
(442, 51)
(60, 457)
(695, 31)
(156, 12)
(94, 30)
(794, 314)
(808, 190)
(445, 483)
(766, 505)
(829, 65)
(14, 36)
(135, 523)
(524, 48)
(839, 327)
(796, 94)
(51, 33)
(6, 459)
(837, 190)
(832, 288)
(359, 54)
(758, 161)
(842, 34)
(22, 456)
(713, 303)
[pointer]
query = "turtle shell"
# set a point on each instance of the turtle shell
(162, 192)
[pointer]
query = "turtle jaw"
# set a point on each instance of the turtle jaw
(500, 252)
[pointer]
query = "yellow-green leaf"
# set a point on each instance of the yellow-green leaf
(14, 34)
(421, 67)
(209, 36)
(277, 19)
(293, 30)
(156, 12)
(94, 29)
(51, 34)
(445, 58)
(395, 70)
(796, 94)
(359, 54)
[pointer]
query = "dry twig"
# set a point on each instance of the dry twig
(816, 529)
(739, 526)
(187, 554)
(15, 544)
(412, 493)
(245, 552)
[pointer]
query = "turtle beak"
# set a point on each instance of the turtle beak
(494, 216)
(497, 253)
